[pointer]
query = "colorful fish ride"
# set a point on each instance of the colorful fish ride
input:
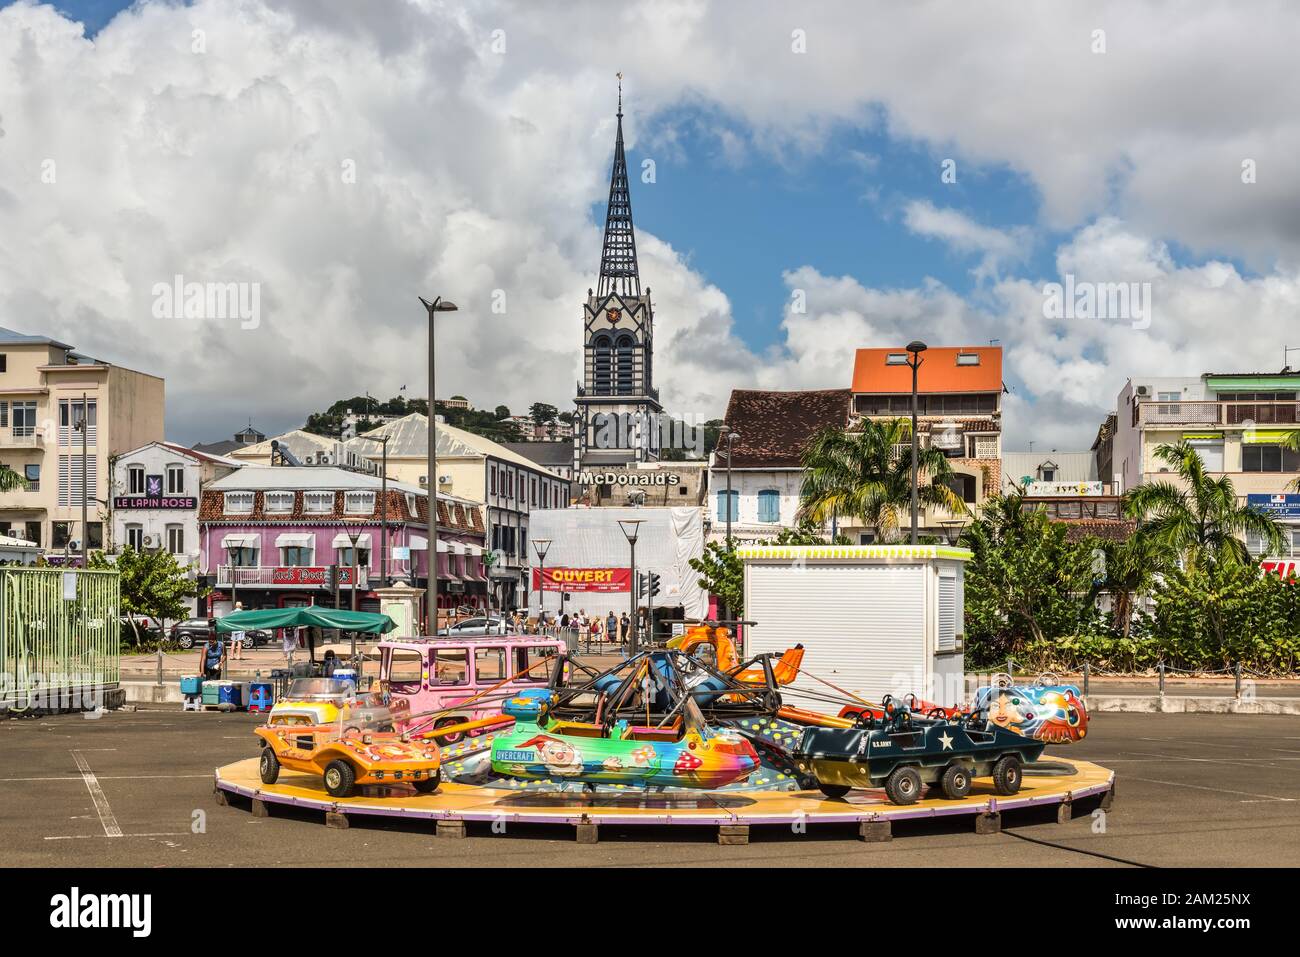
(1045, 710)
(902, 752)
(661, 718)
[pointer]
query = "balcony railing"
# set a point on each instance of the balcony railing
(20, 439)
(1239, 413)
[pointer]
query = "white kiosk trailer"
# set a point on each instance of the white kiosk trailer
(873, 619)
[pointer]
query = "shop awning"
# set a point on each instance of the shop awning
(240, 541)
(295, 540)
(1266, 436)
(321, 617)
(341, 540)
(418, 543)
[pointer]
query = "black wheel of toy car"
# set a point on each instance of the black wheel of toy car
(452, 738)
(268, 766)
(903, 786)
(1007, 774)
(340, 779)
(834, 791)
(429, 784)
(955, 782)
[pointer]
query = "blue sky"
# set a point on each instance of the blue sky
(743, 222)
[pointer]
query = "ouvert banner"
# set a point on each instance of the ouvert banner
(584, 579)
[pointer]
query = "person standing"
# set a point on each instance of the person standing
(289, 642)
(611, 627)
(213, 657)
(625, 630)
(237, 638)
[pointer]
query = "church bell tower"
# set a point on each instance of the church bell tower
(617, 405)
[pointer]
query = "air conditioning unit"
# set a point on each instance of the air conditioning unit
(444, 479)
(1144, 390)
(152, 541)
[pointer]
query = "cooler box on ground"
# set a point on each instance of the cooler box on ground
(228, 694)
(191, 684)
(211, 690)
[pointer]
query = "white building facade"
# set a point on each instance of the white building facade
(155, 492)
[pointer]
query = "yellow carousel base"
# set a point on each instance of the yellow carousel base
(454, 805)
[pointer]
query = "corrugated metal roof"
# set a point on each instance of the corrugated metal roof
(1070, 466)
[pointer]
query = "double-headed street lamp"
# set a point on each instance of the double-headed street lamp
(631, 530)
(914, 349)
(438, 305)
(541, 546)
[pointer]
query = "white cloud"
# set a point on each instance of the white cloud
(476, 171)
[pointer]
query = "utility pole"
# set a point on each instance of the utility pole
(914, 349)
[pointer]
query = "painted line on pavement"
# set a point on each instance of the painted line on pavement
(1202, 787)
(106, 818)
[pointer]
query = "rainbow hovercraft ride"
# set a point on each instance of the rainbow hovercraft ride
(640, 724)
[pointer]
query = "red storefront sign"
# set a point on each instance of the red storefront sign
(584, 579)
(307, 575)
(1286, 568)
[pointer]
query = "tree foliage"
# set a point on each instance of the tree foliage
(152, 583)
(722, 573)
(1200, 517)
(1025, 582)
(858, 474)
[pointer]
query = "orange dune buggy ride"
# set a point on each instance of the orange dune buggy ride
(349, 753)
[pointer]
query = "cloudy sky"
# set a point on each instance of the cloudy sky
(808, 179)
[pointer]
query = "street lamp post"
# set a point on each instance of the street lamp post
(354, 535)
(541, 546)
(230, 553)
(438, 305)
(914, 349)
(731, 437)
(631, 529)
(383, 506)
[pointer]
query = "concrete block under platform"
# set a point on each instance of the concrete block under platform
(988, 822)
(260, 808)
(450, 828)
(588, 833)
(876, 832)
(733, 834)
(335, 819)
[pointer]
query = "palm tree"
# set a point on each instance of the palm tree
(1132, 567)
(1202, 517)
(858, 474)
(10, 480)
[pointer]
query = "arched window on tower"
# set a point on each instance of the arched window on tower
(602, 378)
(625, 350)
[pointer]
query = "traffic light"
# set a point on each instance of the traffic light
(652, 584)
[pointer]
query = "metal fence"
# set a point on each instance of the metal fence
(59, 637)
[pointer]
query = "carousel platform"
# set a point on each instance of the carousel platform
(1060, 783)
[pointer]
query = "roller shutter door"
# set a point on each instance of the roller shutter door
(863, 626)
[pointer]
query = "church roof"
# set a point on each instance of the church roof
(618, 267)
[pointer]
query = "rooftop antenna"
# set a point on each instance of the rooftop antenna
(619, 74)
(1286, 356)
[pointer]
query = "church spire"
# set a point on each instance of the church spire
(618, 269)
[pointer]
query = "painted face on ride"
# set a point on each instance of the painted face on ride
(1007, 711)
(560, 757)
(1064, 718)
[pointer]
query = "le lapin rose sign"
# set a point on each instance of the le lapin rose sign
(153, 498)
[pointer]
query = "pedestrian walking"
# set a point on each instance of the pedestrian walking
(625, 629)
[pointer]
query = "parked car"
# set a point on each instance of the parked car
(474, 626)
(142, 625)
(194, 631)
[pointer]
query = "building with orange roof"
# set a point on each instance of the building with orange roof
(959, 411)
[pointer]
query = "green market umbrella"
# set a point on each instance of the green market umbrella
(267, 619)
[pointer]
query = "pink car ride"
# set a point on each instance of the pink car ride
(469, 678)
